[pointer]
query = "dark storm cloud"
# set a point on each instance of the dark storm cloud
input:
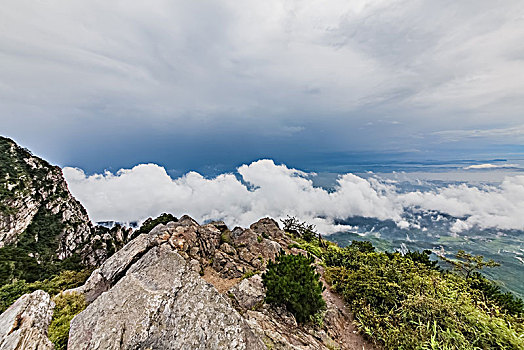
(98, 83)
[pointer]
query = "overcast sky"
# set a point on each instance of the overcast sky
(208, 84)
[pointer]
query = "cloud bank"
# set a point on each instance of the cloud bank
(263, 188)
(490, 166)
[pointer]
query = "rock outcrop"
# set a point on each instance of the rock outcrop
(23, 326)
(116, 266)
(191, 286)
(179, 286)
(29, 185)
(185, 286)
(41, 223)
(161, 303)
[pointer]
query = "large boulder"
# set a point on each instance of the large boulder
(23, 326)
(161, 303)
(268, 228)
(116, 266)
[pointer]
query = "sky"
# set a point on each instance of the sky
(212, 85)
(229, 109)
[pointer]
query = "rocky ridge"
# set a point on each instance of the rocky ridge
(39, 215)
(191, 286)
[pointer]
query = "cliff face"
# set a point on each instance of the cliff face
(30, 186)
(42, 226)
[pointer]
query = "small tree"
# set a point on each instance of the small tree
(292, 281)
(362, 246)
(468, 263)
(301, 229)
(150, 223)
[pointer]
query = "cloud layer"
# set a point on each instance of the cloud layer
(263, 188)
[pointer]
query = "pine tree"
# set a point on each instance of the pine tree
(292, 281)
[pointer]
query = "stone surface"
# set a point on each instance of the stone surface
(182, 287)
(116, 266)
(249, 293)
(23, 326)
(161, 303)
(267, 227)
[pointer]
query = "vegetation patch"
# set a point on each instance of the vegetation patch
(33, 257)
(9, 293)
(408, 302)
(150, 223)
(67, 306)
(299, 229)
(292, 281)
(225, 237)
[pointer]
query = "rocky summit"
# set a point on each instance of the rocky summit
(188, 286)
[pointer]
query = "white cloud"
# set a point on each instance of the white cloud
(266, 189)
(490, 166)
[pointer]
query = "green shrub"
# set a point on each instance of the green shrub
(422, 258)
(506, 301)
(225, 237)
(150, 223)
(249, 274)
(402, 302)
(291, 281)
(362, 246)
(67, 307)
(9, 293)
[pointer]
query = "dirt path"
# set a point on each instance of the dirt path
(340, 323)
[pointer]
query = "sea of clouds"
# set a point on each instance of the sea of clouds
(264, 188)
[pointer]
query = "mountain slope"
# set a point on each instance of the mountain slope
(43, 228)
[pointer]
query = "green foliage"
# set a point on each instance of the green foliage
(299, 229)
(362, 246)
(67, 306)
(291, 281)
(311, 248)
(33, 257)
(225, 237)
(404, 302)
(150, 223)
(249, 274)
(422, 258)
(9, 293)
(467, 263)
(506, 301)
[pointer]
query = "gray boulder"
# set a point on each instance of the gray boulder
(23, 326)
(268, 227)
(161, 303)
(249, 293)
(116, 266)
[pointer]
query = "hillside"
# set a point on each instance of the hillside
(43, 228)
